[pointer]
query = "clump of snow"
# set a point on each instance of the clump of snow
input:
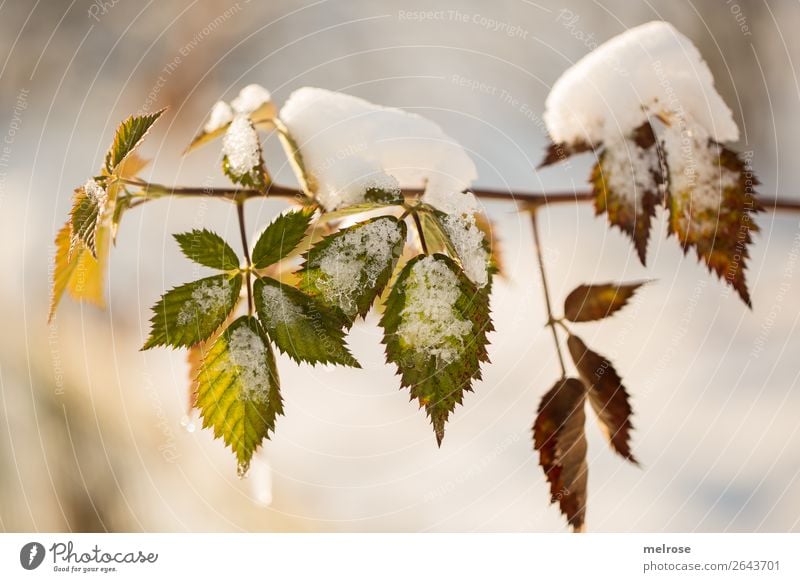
(468, 242)
(384, 182)
(221, 115)
(278, 307)
(363, 249)
(248, 358)
(628, 169)
(95, 191)
(250, 99)
(697, 180)
(429, 321)
(241, 146)
(649, 70)
(206, 298)
(347, 143)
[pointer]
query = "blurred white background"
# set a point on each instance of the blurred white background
(91, 437)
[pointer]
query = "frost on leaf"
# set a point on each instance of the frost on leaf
(711, 199)
(89, 213)
(281, 237)
(241, 151)
(208, 249)
(470, 246)
(559, 436)
(190, 313)
(349, 269)
(435, 327)
(344, 146)
(627, 182)
(301, 328)
(608, 396)
(238, 391)
(593, 302)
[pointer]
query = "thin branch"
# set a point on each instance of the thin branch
(528, 200)
(246, 250)
(551, 321)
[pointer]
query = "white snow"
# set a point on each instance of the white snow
(221, 115)
(207, 298)
(368, 249)
(697, 181)
(627, 169)
(429, 320)
(241, 146)
(250, 98)
(348, 143)
(648, 70)
(95, 191)
(468, 240)
(278, 307)
(248, 357)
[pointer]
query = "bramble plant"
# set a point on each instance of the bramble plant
(385, 216)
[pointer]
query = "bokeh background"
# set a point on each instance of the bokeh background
(94, 433)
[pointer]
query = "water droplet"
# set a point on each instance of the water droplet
(187, 422)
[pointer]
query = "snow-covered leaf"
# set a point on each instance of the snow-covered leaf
(711, 202)
(608, 396)
(190, 313)
(350, 268)
(208, 249)
(87, 215)
(593, 302)
(241, 155)
(343, 146)
(435, 325)
(238, 392)
(281, 237)
(559, 436)
(197, 353)
(130, 134)
(627, 181)
(301, 328)
(558, 152)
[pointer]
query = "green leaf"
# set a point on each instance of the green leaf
(384, 197)
(307, 182)
(301, 328)
(130, 134)
(281, 237)
(435, 327)
(208, 249)
(349, 269)
(190, 313)
(238, 391)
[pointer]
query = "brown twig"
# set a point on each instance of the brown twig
(246, 250)
(551, 321)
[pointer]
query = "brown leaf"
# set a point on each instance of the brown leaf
(722, 231)
(627, 181)
(593, 302)
(558, 152)
(607, 395)
(558, 435)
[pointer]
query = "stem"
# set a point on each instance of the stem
(418, 224)
(246, 250)
(530, 200)
(551, 321)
